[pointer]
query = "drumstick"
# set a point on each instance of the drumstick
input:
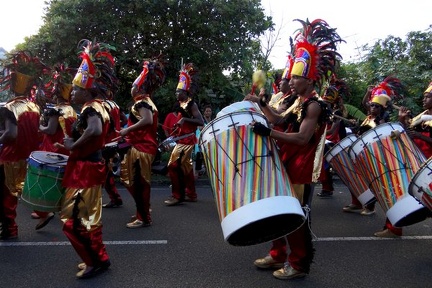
(342, 118)
(116, 138)
(58, 145)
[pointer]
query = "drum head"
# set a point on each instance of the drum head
(49, 157)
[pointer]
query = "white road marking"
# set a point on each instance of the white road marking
(66, 243)
(165, 242)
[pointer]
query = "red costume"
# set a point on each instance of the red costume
(110, 186)
(13, 155)
(141, 134)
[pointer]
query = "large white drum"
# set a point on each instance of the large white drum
(254, 196)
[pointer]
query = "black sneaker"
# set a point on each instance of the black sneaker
(325, 193)
(112, 204)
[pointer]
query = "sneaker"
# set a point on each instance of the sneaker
(268, 262)
(112, 204)
(386, 233)
(137, 224)
(287, 273)
(104, 265)
(7, 236)
(34, 215)
(44, 221)
(189, 199)
(351, 208)
(172, 201)
(367, 212)
(325, 193)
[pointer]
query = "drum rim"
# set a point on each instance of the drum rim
(367, 133)
(211, 123)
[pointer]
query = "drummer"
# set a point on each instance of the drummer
(19, 122)
(85, 172)
(180, 167)
(376, 115)
(418, 129)
(141, 133)
(302, 150)
(56, 124)
(335, 130)
(111, 155)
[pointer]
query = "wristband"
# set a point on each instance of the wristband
(262, 103)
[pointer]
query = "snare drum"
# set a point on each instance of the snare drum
(388, 160)
(167, 145)
(255, 199)
(42, 185)
(342, 164)
(421, 184)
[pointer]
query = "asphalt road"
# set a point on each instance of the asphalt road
(185, 248)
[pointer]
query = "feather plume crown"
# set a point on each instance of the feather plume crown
(320, 40)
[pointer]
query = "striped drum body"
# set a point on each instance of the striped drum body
(252, 190)
(389, 159)
(343, 165)
(421, 185)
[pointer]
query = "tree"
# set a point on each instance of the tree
(214, 34)
(409, 60)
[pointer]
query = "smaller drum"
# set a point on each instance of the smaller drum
(167, 145)
(42, 185)
(341, 162)
(421, 184)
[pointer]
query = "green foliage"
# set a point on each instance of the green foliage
(409, 60)
(215, 35)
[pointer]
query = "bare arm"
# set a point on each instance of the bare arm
(146, 120)
(52, 126)
(198, 119)
(93, 130)
(10, 132)
(307, 127)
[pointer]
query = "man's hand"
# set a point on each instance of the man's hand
(260, 129)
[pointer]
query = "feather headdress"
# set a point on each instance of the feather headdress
(315, 51)
(152, 76)
(338, 89)
(428, 89)
(188, 78)
(390, 86)
(97, 68)
(22, 71)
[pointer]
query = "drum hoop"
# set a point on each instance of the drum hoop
(211, 124)
(62, 159)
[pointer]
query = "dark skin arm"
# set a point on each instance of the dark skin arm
(146, 120)
(52, 126)
(197, 120)
(93, 130)
(10, 132)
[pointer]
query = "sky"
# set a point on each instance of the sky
(357, 22)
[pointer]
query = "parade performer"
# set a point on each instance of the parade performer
(180, 167)
(141, 133)
(85, 170)
(419, 128)
(56, 123)
(335, 129)
(19, 136)
(110, 154)
(303, 141)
